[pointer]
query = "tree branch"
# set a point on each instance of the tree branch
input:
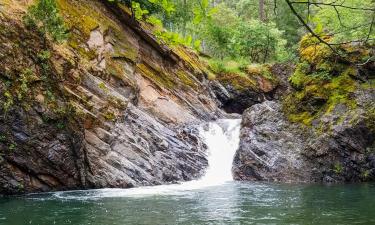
(334, 5)
(370, 31)
(290, 4)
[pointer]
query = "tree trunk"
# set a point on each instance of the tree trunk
(262, 13)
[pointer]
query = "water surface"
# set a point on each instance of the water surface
(229, 203)
(214, 199)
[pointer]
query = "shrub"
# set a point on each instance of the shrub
(227, 66)
(259, 42)
(44, 15)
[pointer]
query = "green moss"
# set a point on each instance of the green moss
(116, 102)
(321, 84)
(79, 15)
(299, 77)
(314, 52)
(190, 59)
(242, 75)
(122, 47)
(318, 96)
(116, 69)
(157, 76)
(186, 79)
(84, 52)
(366, 174)
(238, 81)
(211, 76)
(82, 17)
(110, 116)
(370, 117)
(12, 147)
(2, 138)
(338, 168)
(8, 101)
(305, 117)
(103, 87)
(370, 84)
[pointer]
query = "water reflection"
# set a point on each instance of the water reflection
(219, 204)
(230, 203)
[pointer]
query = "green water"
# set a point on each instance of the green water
(230, 203)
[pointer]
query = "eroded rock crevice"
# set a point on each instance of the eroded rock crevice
(238, 92)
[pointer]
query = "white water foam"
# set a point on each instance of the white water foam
(222, 140)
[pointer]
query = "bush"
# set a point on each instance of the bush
(227, 66)
(44, 15)
(259, 42)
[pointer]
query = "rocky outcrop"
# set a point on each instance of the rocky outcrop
(322, 129)
(109, 107)
(274, 149)
(142, 151)
(270, 146)
(237, 92)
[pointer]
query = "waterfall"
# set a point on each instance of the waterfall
(222, 140)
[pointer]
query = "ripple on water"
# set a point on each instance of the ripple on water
(230, 203)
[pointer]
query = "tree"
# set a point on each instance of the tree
(344, 21)
(259, 42)
(262, 13)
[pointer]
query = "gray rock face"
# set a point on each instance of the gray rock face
(137, 151)
(274, 149)
(236, 101)
(39, 155)
(123, 119)
(143, 151)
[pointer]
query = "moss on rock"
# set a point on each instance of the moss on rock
(243, 77)
(322, 83)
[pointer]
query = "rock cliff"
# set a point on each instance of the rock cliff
(114, 106)
(322, 130)
(109, 107)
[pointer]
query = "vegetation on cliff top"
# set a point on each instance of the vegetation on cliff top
(236, 37)
(323, 81)
(45, 17)
(238, 45)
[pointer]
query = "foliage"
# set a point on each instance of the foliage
(228, 35)
(234, 28)
(139, 13)
(217, 31)
(338, 168)
(259, 42)
(341, 21)
(227, 66)
(44, 15)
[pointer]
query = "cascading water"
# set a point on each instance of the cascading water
(222, 140)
